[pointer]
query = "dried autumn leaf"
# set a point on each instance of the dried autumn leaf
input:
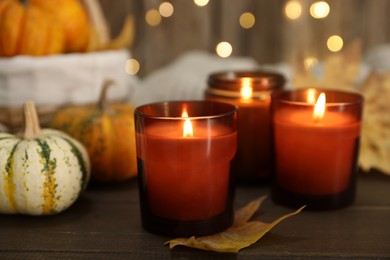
(375, 138)
(240, 235)
(243, 214)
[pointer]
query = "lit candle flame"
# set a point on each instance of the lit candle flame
(187, 127)
(246, 89)
(319, 108)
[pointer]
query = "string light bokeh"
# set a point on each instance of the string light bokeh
(293, 10)
(132, 66)
(224, 49)
(319, 10)
(166, 9)
(247, 20)
(153, 17)
(335, 43)
(201, 2)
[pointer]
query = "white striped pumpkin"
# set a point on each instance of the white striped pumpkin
(41, 173)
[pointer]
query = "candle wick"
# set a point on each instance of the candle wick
(318, 118)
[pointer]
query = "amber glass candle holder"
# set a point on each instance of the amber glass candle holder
(316, 144)
(184, 150)
(251, 92)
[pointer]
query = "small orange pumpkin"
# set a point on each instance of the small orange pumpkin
(107, 131)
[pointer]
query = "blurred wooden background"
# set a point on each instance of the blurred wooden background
(272, 39)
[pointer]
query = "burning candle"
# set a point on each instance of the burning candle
(250, 91)
(316, 141)
(184, 151)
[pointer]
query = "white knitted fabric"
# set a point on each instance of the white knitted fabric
(63, 79)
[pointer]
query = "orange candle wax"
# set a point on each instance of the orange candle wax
(253, 160)
(250, 91)
(314, 158)
(187, 178)
(184, 150)
(316, 143)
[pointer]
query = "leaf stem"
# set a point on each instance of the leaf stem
(102, 103)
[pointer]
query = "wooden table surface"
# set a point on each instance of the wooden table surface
(105, 224)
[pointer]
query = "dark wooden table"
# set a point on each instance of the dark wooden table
(105, 224)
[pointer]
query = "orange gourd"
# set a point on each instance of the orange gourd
(42, 27)
(74, 20)
(107, 131)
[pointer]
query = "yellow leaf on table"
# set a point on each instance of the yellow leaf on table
(240, 235)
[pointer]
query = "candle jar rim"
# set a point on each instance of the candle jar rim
(334, 97)
(261, 80)
(157, 110)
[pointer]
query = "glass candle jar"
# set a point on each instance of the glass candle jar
(316, 143)
(250, 91)
(184, 151)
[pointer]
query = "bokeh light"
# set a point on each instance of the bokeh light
(224, 49)
(153, 17)
(201, 2)
(310, 62)
(166, 9)
(293, 9)
(132, 66)
(247, 20)
(319, 10)
(335, 43)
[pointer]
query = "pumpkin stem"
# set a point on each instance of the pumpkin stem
(32, 128)
(102, 104)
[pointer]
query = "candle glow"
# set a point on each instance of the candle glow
(319, 108)
(187, 127)
(176, 166)
(311, 96)
(315, 154)
(246, 89)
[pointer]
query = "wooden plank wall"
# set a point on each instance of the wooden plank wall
(273, 38)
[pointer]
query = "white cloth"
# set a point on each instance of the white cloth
(378, 58)
(63, 79)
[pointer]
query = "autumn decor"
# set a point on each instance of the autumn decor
(73, 18)
(241, 234)
(41, 27)
(28, 29)
(100, 36)
(43, 171)
(107, 131)
(44, 27)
